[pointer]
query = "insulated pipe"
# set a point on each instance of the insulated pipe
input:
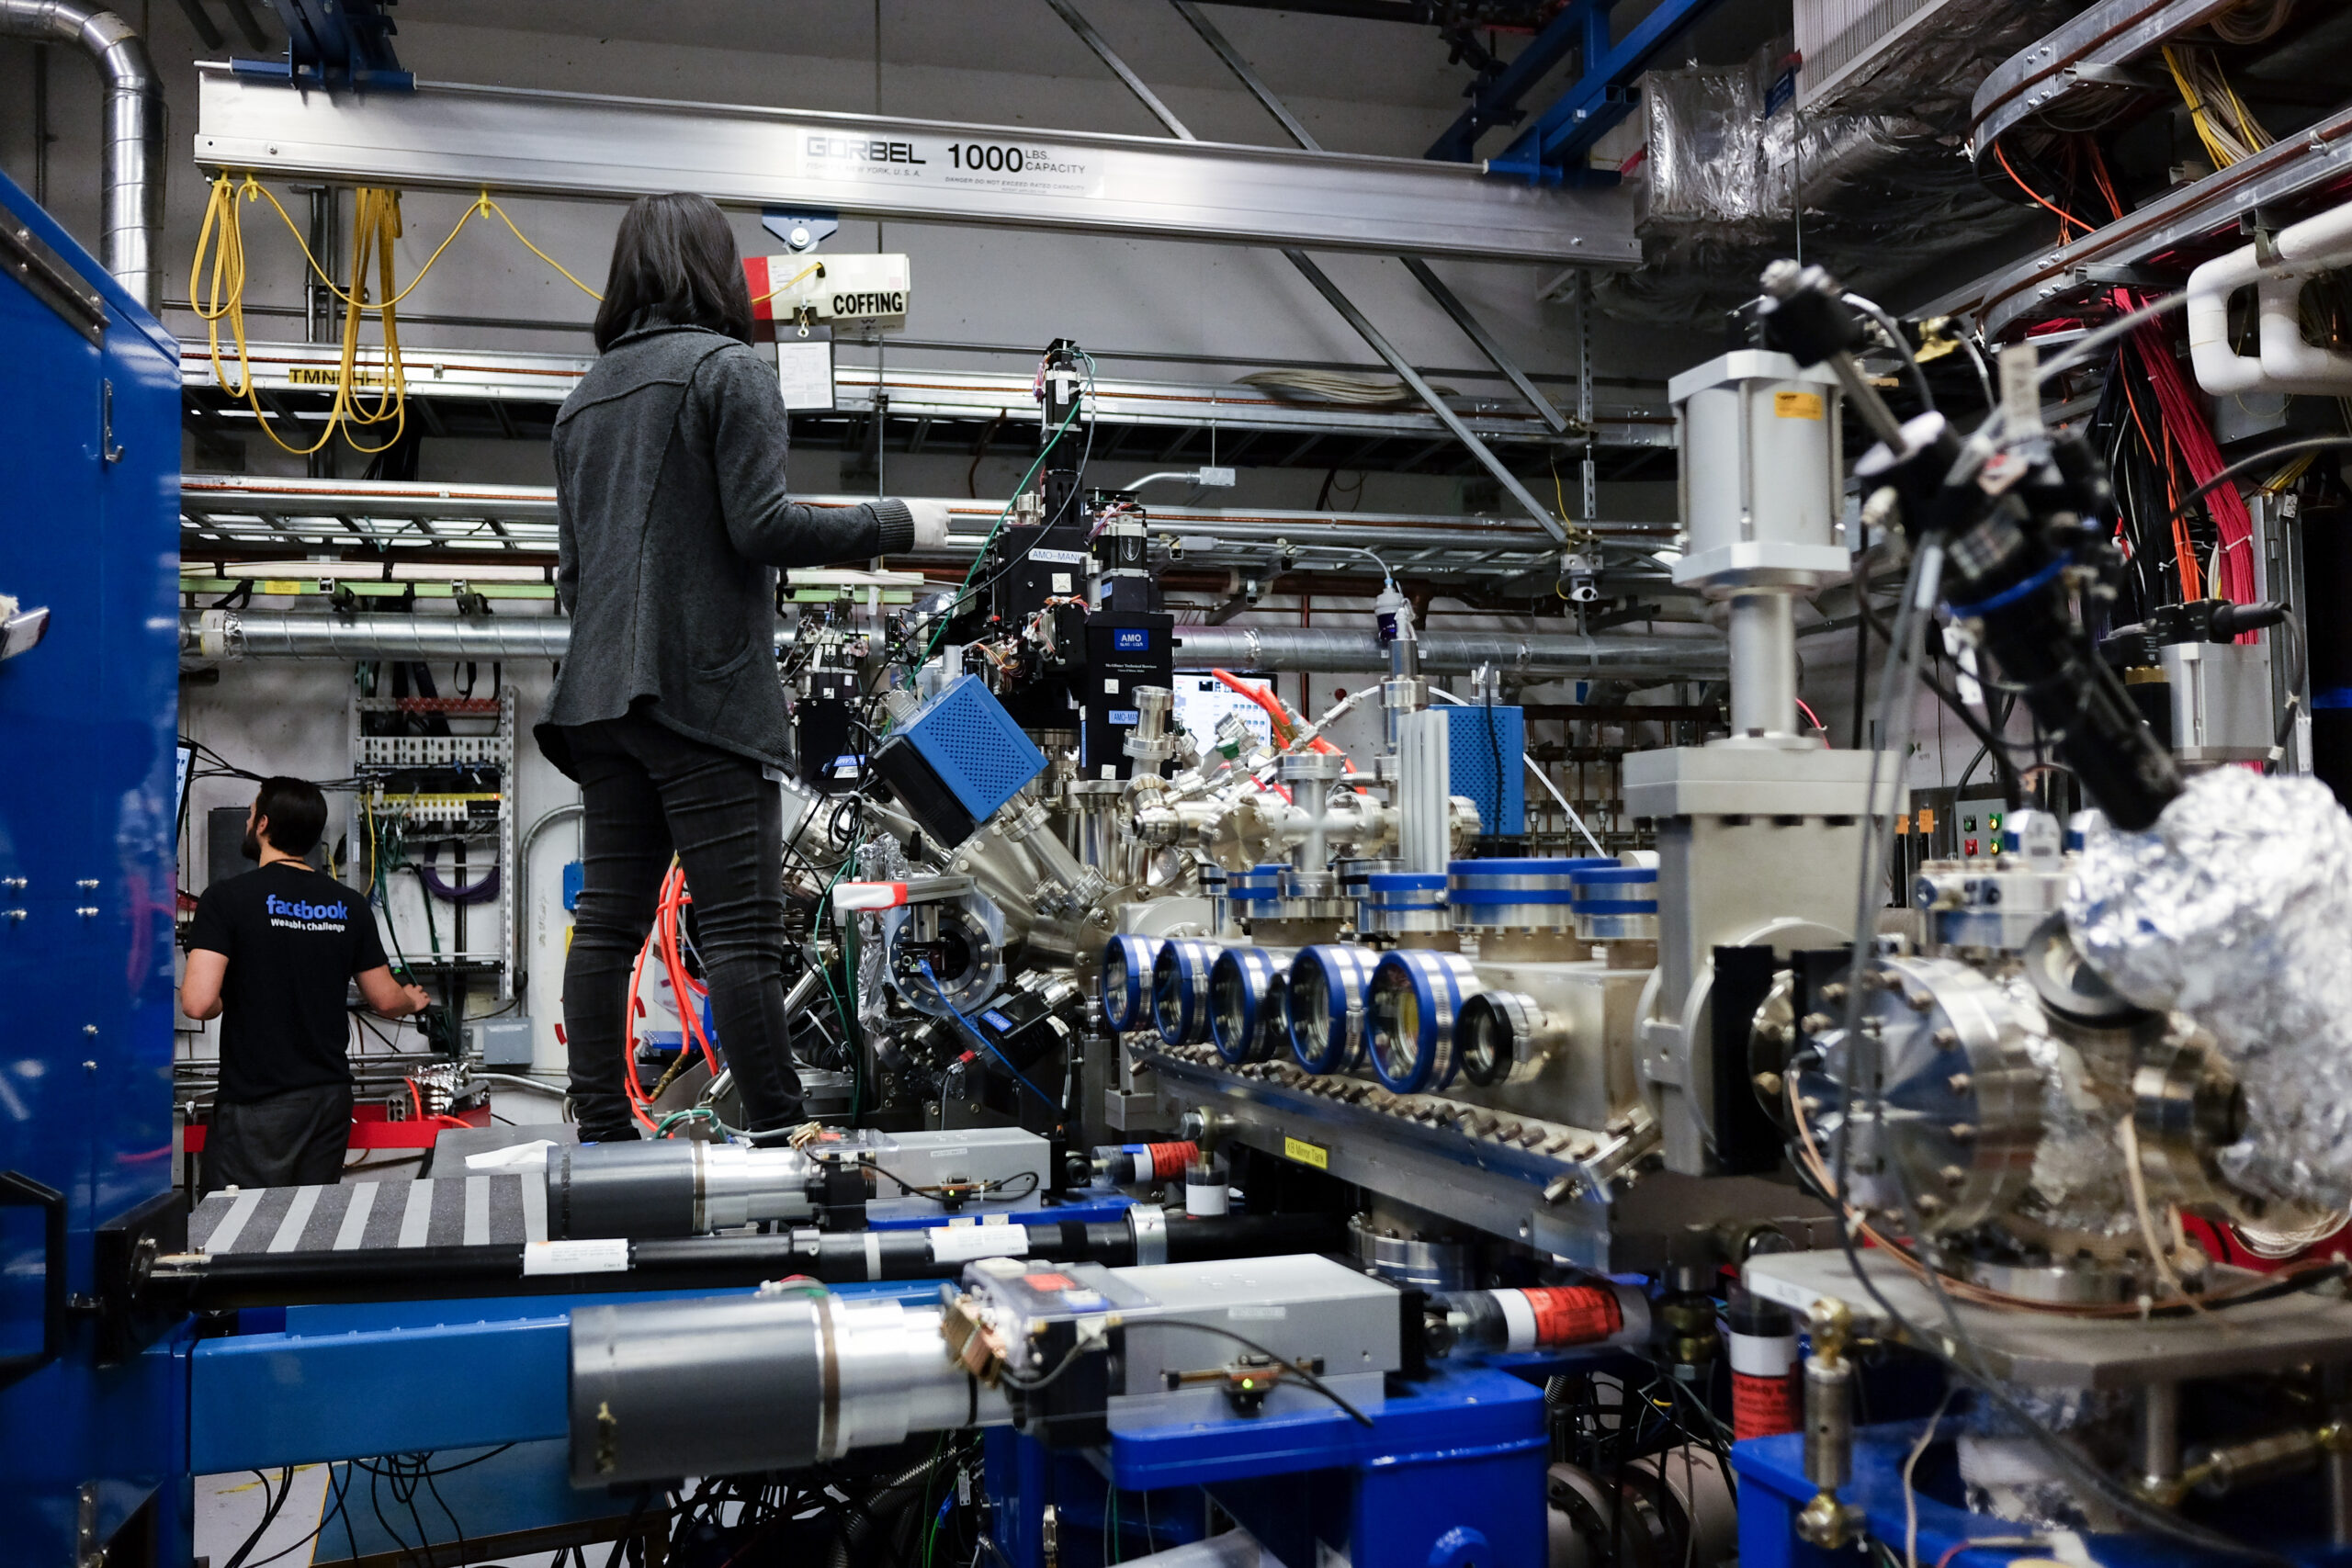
(130, 221)
(2290, 363)
(2221, 370)
(239, 634)
(2282, 362)
(1327, 651)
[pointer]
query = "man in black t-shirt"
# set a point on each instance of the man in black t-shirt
(270, 953)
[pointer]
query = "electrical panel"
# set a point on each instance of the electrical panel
(1123, 650)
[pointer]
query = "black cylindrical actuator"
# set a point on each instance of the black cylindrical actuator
(674, 1187)
(778, 1380)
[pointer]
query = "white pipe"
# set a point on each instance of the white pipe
(131, 221)
(1763, 634)
(2283, 362)
(2221, 371)
(2290, 363)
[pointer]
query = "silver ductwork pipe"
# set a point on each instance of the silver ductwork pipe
(1327, 651)
(1333, 650)
(131, 167)
(238, 633)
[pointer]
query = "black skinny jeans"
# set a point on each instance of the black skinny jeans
(646, 791)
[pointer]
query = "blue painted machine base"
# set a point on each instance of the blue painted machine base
(922, 1213)
(1449, 1475)
(1773, 1489)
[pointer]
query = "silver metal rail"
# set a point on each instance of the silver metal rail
(466, 138)
(2084, 57)
(222, 514)
(233, 635)
(1334, 651)
(2183, 227)
(514, 376)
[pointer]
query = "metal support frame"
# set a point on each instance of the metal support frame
(1548, 151)
(247, 523)
(1380, 345)
(1450, 302)
(2171, 234)
(569, 144)
(1582, 26)
(1119, 68)
(1584, 394)
(2079, 58)
(1332, 292)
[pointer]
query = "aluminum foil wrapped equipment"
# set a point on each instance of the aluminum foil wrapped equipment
(2236, 909)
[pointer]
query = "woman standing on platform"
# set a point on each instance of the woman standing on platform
(672, 517)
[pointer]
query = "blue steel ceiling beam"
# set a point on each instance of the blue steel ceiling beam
(1552, 150)
(1584, 25)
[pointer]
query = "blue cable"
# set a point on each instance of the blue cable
(940, 992)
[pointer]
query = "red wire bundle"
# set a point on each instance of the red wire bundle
(664, 940)
(2184, 427)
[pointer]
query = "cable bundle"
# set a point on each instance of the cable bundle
(2223, 123)
(2185, 428)
(667, 941)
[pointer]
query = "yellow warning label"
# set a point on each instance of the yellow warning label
(1305, 1153)
(1796, 405)
(277, 585)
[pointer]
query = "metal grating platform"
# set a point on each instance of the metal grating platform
(472, 1211)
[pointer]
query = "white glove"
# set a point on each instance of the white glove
(930, 523)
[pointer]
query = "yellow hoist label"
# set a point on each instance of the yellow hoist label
(1305, 1153)
(316, 375)
(1796, 405)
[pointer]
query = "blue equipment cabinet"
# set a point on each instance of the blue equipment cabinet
(92, 1423)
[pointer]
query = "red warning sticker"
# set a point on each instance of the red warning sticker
(1762, 1406)
(1574, 1315)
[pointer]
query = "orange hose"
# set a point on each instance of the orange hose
(668, 918)
(662, 940)
(2064, 217)
(637, 1102)
(1275, 709)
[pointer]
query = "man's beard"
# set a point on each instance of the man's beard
(251, 847)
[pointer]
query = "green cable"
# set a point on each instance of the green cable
(931, 1531)
(849, 1034)
(1001, 518)
(661, 1129)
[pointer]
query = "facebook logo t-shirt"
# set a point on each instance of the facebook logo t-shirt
(293, 938)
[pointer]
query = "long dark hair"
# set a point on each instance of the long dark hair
(674, 260)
